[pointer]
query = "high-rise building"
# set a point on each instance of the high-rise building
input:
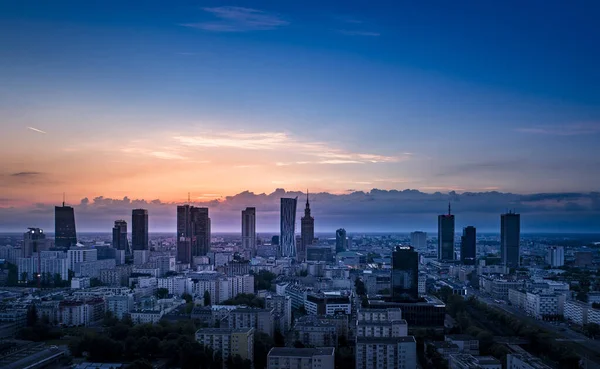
(34, 240)
(65, 235)
(184, 234)
(139, 229)
(468, 246)
(200, 231)
(556, 256)
(418, 240)
(249, 230)
(510, 237)
(405, 274)
(193, 233)
(307, 231)
(446, 236)
(287, 239)
(341, 240)
(119, 239)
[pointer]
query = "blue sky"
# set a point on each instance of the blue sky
(154, 99)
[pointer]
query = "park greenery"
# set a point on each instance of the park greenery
(248, 299)
(263, 280)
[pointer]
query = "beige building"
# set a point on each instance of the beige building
(229, 342)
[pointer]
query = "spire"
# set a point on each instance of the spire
(449, 209)
(63, 199)
(307, 204)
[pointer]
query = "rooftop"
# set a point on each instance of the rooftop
(385, 340)
(301, 352)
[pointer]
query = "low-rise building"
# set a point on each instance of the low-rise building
(301, 358)
(229, 342)
(313, 332)
(327, 304)
(466, 343)
(259, 319)
(466, 361)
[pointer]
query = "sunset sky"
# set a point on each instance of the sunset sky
(154, 99)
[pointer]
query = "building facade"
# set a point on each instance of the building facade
(510, 238)
(446, 236)
(249, 230)
(301, 358)
(405, 274)
(119, 236)
(65, 234)
(139, 229)
(287, 230)
(468, 246)
(307, 232)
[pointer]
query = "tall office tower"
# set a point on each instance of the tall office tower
(510, 237)
(200, 231)
(418, 240)
(249, 230)
(556, 256)
(139, 229)
(405, 274)
(341, 241)
(446, 236)
(468, 246)
(34, 240)
(307, 231)
(65, 235)
(287, 239)
(119, 239)
(184, 234)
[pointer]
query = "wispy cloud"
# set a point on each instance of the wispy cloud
(564, 130)
(164, 154)
(26, 174)
(348, 19)
(358, 33)
(282, 141)
(36, 130)
(239, 19)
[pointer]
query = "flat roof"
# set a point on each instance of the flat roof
(385, 340)
(301, 352)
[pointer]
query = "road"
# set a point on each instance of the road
(584, 346)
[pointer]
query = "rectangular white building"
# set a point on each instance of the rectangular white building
(301, 358)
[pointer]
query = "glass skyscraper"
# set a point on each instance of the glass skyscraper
(139, 229)
(119, 236)
(65, 235)
(287, 238)
(510, 237)
(468, 246)
(249, 230)
(341, 242)
(446, 236)
(193, 233)
(405, 274)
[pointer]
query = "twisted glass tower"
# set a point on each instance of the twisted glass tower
(287, 239)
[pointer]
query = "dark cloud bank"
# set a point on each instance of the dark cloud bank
(375, 211)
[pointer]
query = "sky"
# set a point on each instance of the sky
(152, 100)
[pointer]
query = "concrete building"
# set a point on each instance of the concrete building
(581, 313)
(47, 266)
(555, 256)
(34, 240)
(307, 232)
(386, 353)
(466, 361)
(314, 332)
(77, 255)
(390, 328)
(545, 305)
(80, 283)
(81, 312)
(120, 305)
(521, 359)
(301, 358)
(467, 344)
(418, 240)
(92, 268)
(229, 342)
(259, 319)
(282, 311)
(177, 285)
(379, 315)
(327, 304)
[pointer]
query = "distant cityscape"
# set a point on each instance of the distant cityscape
(265, 301)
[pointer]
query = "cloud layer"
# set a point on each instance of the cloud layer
(238, 19)
(375, 210)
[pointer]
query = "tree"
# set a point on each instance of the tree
(360, 287)
(262, 344)
(32, 316)
(140, 364)
(582, 296)
(187, 297)
(207, 298)
(24, 276)
(162, 293)
(279, 339)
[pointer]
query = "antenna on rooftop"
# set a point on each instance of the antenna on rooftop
(189, 198)
(63, 199)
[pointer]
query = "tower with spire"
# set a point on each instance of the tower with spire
(446, 236)
(307, 231)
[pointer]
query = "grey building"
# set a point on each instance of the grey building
(249, 230)
(307, 231)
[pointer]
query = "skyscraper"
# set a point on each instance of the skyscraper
(446, 236)
(418, 240)
(193, 233)
(249, 230)
(200, 231)
(307, 231)
(34, 240)
(405, 274)
(287, 239)
(341, 241)
(65, 235)
(184, 234)
(468, 246)
(139, 229)
(119, 239)
(510, 237)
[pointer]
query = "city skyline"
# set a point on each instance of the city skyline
(296, 100)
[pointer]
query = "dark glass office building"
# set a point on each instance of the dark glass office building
(405, 274)
(446, 236)
(510, 237)
(468, 246)
(341, 241)
(119, 239)
(139, 229)
(193, 233)
(184, 234)
(65, 235)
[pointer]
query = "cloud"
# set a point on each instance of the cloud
(37, 130)
(239, 19)
(283, 141)
(564, 130)
(165, 154)
(26, 174)
(358, 33)
(348, 19)
(375, 210)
